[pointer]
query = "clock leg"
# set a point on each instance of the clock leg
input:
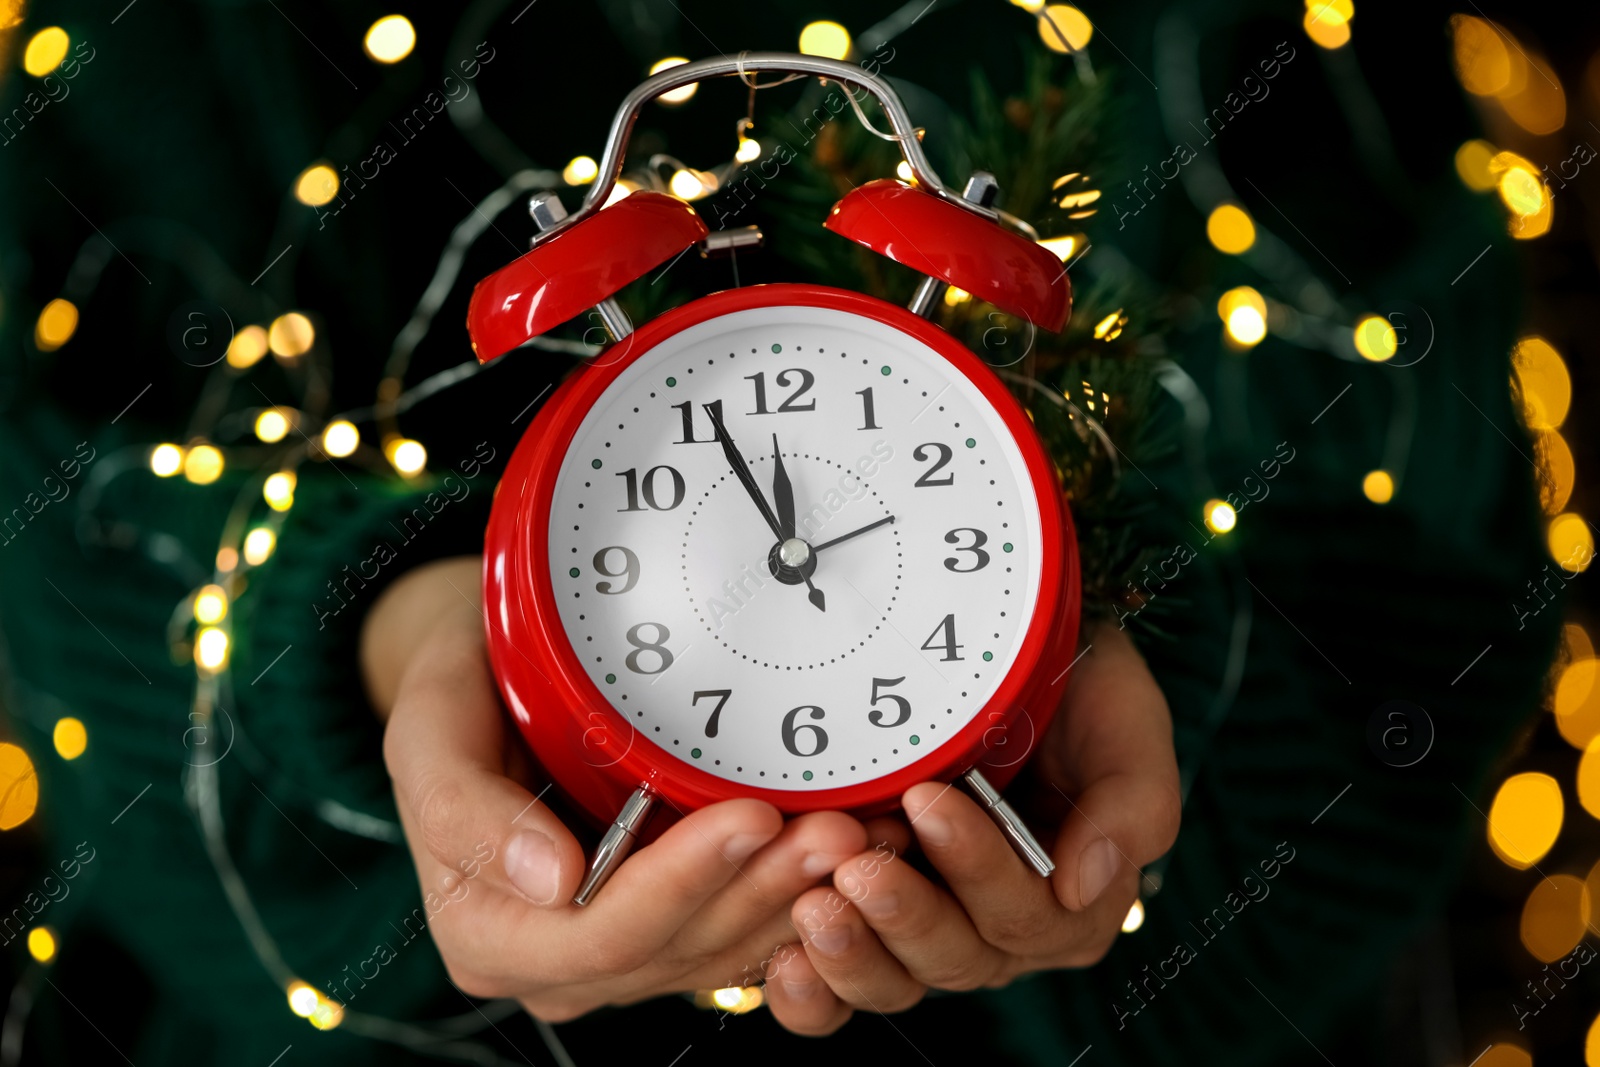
(618, 842)
(1010, 823)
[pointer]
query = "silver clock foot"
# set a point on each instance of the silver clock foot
(618, 842)
(1010, 823)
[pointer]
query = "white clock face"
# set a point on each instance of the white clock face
(701, 630)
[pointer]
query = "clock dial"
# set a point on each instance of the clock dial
(829, 599)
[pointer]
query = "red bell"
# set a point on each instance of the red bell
(578, 268)
(958, 246)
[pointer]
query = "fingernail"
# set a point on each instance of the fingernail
(533, 866)
(740, 847)
(1096, 870)
(935, 830)
(876, 904)
(817, 864)
(831, 940)
(800, 990)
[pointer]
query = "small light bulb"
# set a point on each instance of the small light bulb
(1246, 325)
(317, 184)
(303, 1000)
(340, 438)
(681, 94)
(258, 545)
(271, 426)
(46, 49)
(390, 39)
(211, 649)
(1135, 917)
(827, 39)
(42, 944)
(166, 460)
(278, 490)
(203, 465)
(1376, 338)
(581, 171)
(1220, 516)
(902, 171)
(70, 738)
(57, 323)
(749, 150)
(247, 347)
(210, 605)
(408, 457)
(691, 184)
(291, 335)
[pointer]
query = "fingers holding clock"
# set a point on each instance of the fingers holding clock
(849, 956)
(800, 999)
(445, 748)
(1111, 757)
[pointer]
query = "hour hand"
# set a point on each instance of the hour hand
(782, 494)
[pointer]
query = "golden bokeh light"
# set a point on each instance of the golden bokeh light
(580, 171)
(203, 464)
(955, 296)
(42, 944)
(303, 1000)
(620, 191)
(1378, 486)
(407, 456)
(1557, 471)
(390, 39)
(1110, 327)
(1570, 542)
(271, 426)
(736, 1000)
(227, 558)
(1472, 165)
(70, 737)
(340, 438)
(827, 39)
(1484, 65)
(57, 323)
(211, 649)
(681, 94)
(1032, 7)
(1502, 1054)
(1230, 230)
(1554, 917)
(328, 1014)
(1541, 106)
(1589, 783)
(1063, 20)
(1327, 22)
(19, 787)
(166, 460)
(1540, 375)
(247, 347)
(278, 490)
(1246, 326)
(258, 545)
(1220, 516)
(902, 170)
(1062, 247)
(1576, 644)
(692, 184)
(749, 150)
(210, 605)
(1134, 918)
(1577, 702)
(1591, 1044)
(1243, 296)
(291, 335)
(1376, 339)
(46, 49)
(317, 184)
(1525, 819)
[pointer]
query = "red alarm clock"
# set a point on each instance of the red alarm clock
(785, 541)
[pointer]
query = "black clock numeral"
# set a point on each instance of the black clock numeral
(928, 480)
(980, 557)
(630, 568)
(868, 412)
(948, 646)
(631, 480)
(722, 696)
(807, 380)
(791, 732)
(641, 646)
(687, 410)
(875, 717)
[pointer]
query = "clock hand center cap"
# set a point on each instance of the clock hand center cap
(794, 552)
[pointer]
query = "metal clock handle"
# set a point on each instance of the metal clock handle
(618, 842)
(756, 63)
(1010, 823)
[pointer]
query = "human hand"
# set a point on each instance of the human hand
(703, 906)
(886, 934)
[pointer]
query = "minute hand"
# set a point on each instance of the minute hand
(853, 533)
(741, 471)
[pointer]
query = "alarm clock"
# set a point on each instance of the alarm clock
(785, 541)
